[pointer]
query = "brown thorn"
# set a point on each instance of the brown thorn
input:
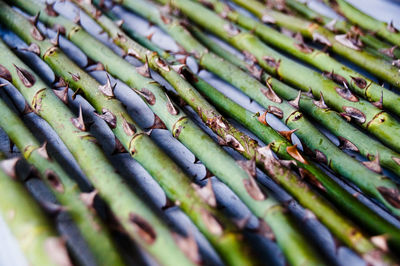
(62, 94)
(150, 36)
(75, 93)
(374, 165)
(88, 198)
(295, 102)
(9, 165)
(294, 152)
(34, 20)
(118, 147)
(379, 103)
(56, 40)
(206, 193)
(288, 133)
(321, 103)
(108, 89)
(42, 150)
(78, 121)
(249, 166)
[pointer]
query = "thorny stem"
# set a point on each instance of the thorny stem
(137, 219)
(339, 44)
(63, 187)
(300, 190)
(354, 138)
(333, 69)
(379, 28)
(263, 206)
(327, 152)
(381, 48)
(29, 225)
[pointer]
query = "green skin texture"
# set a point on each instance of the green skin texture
(341, 26)
(377, 66)
(26, 221)
(306, 197)
(208, 152)
(176, 184)
(92, 229)
(336, 193)
(371, 91)
(82, 145)
(365, 21)
(311, 137)
(326, 117)
(342, 198)
(376, 121)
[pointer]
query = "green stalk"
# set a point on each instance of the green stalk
(172, 179)
(339, 44)
(329, 119)
(279, 145)
(66, 190)
(381, 29)
(290, 182)
(218, 162)
(29, 225)
(344, 27)
(311, 137)
(360, 84)
(376, 121)
(133, 214)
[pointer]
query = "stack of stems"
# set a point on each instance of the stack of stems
(381, 29)
(208, 113)
(268, 209)
(27, 222)
(368, 181)
(371, 118)
(343, 26)
(358, 83)
(64, 188)
(207, 151)
(330, 119)
(338, 44)
(279, 144)
(138, 220)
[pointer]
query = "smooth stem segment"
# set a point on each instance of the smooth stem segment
(308, 198)
(137, 219)
(373, 119)
(229, 245)
(370, 182)
(349, 136)
(339, 44)
(28, 223)
(279, 145)
(218, 229)
(384, 30)
(333, 69)
(64, 188)
(385, 50)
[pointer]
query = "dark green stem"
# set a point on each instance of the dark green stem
(138, 220)
(66, 190)
(205, 149)
(339, 44)
(298, 189)
(335, 192)
(368, 181)
(381, 29)
(29, 225)
(381, 48)
(331, 120)
(333, 69)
